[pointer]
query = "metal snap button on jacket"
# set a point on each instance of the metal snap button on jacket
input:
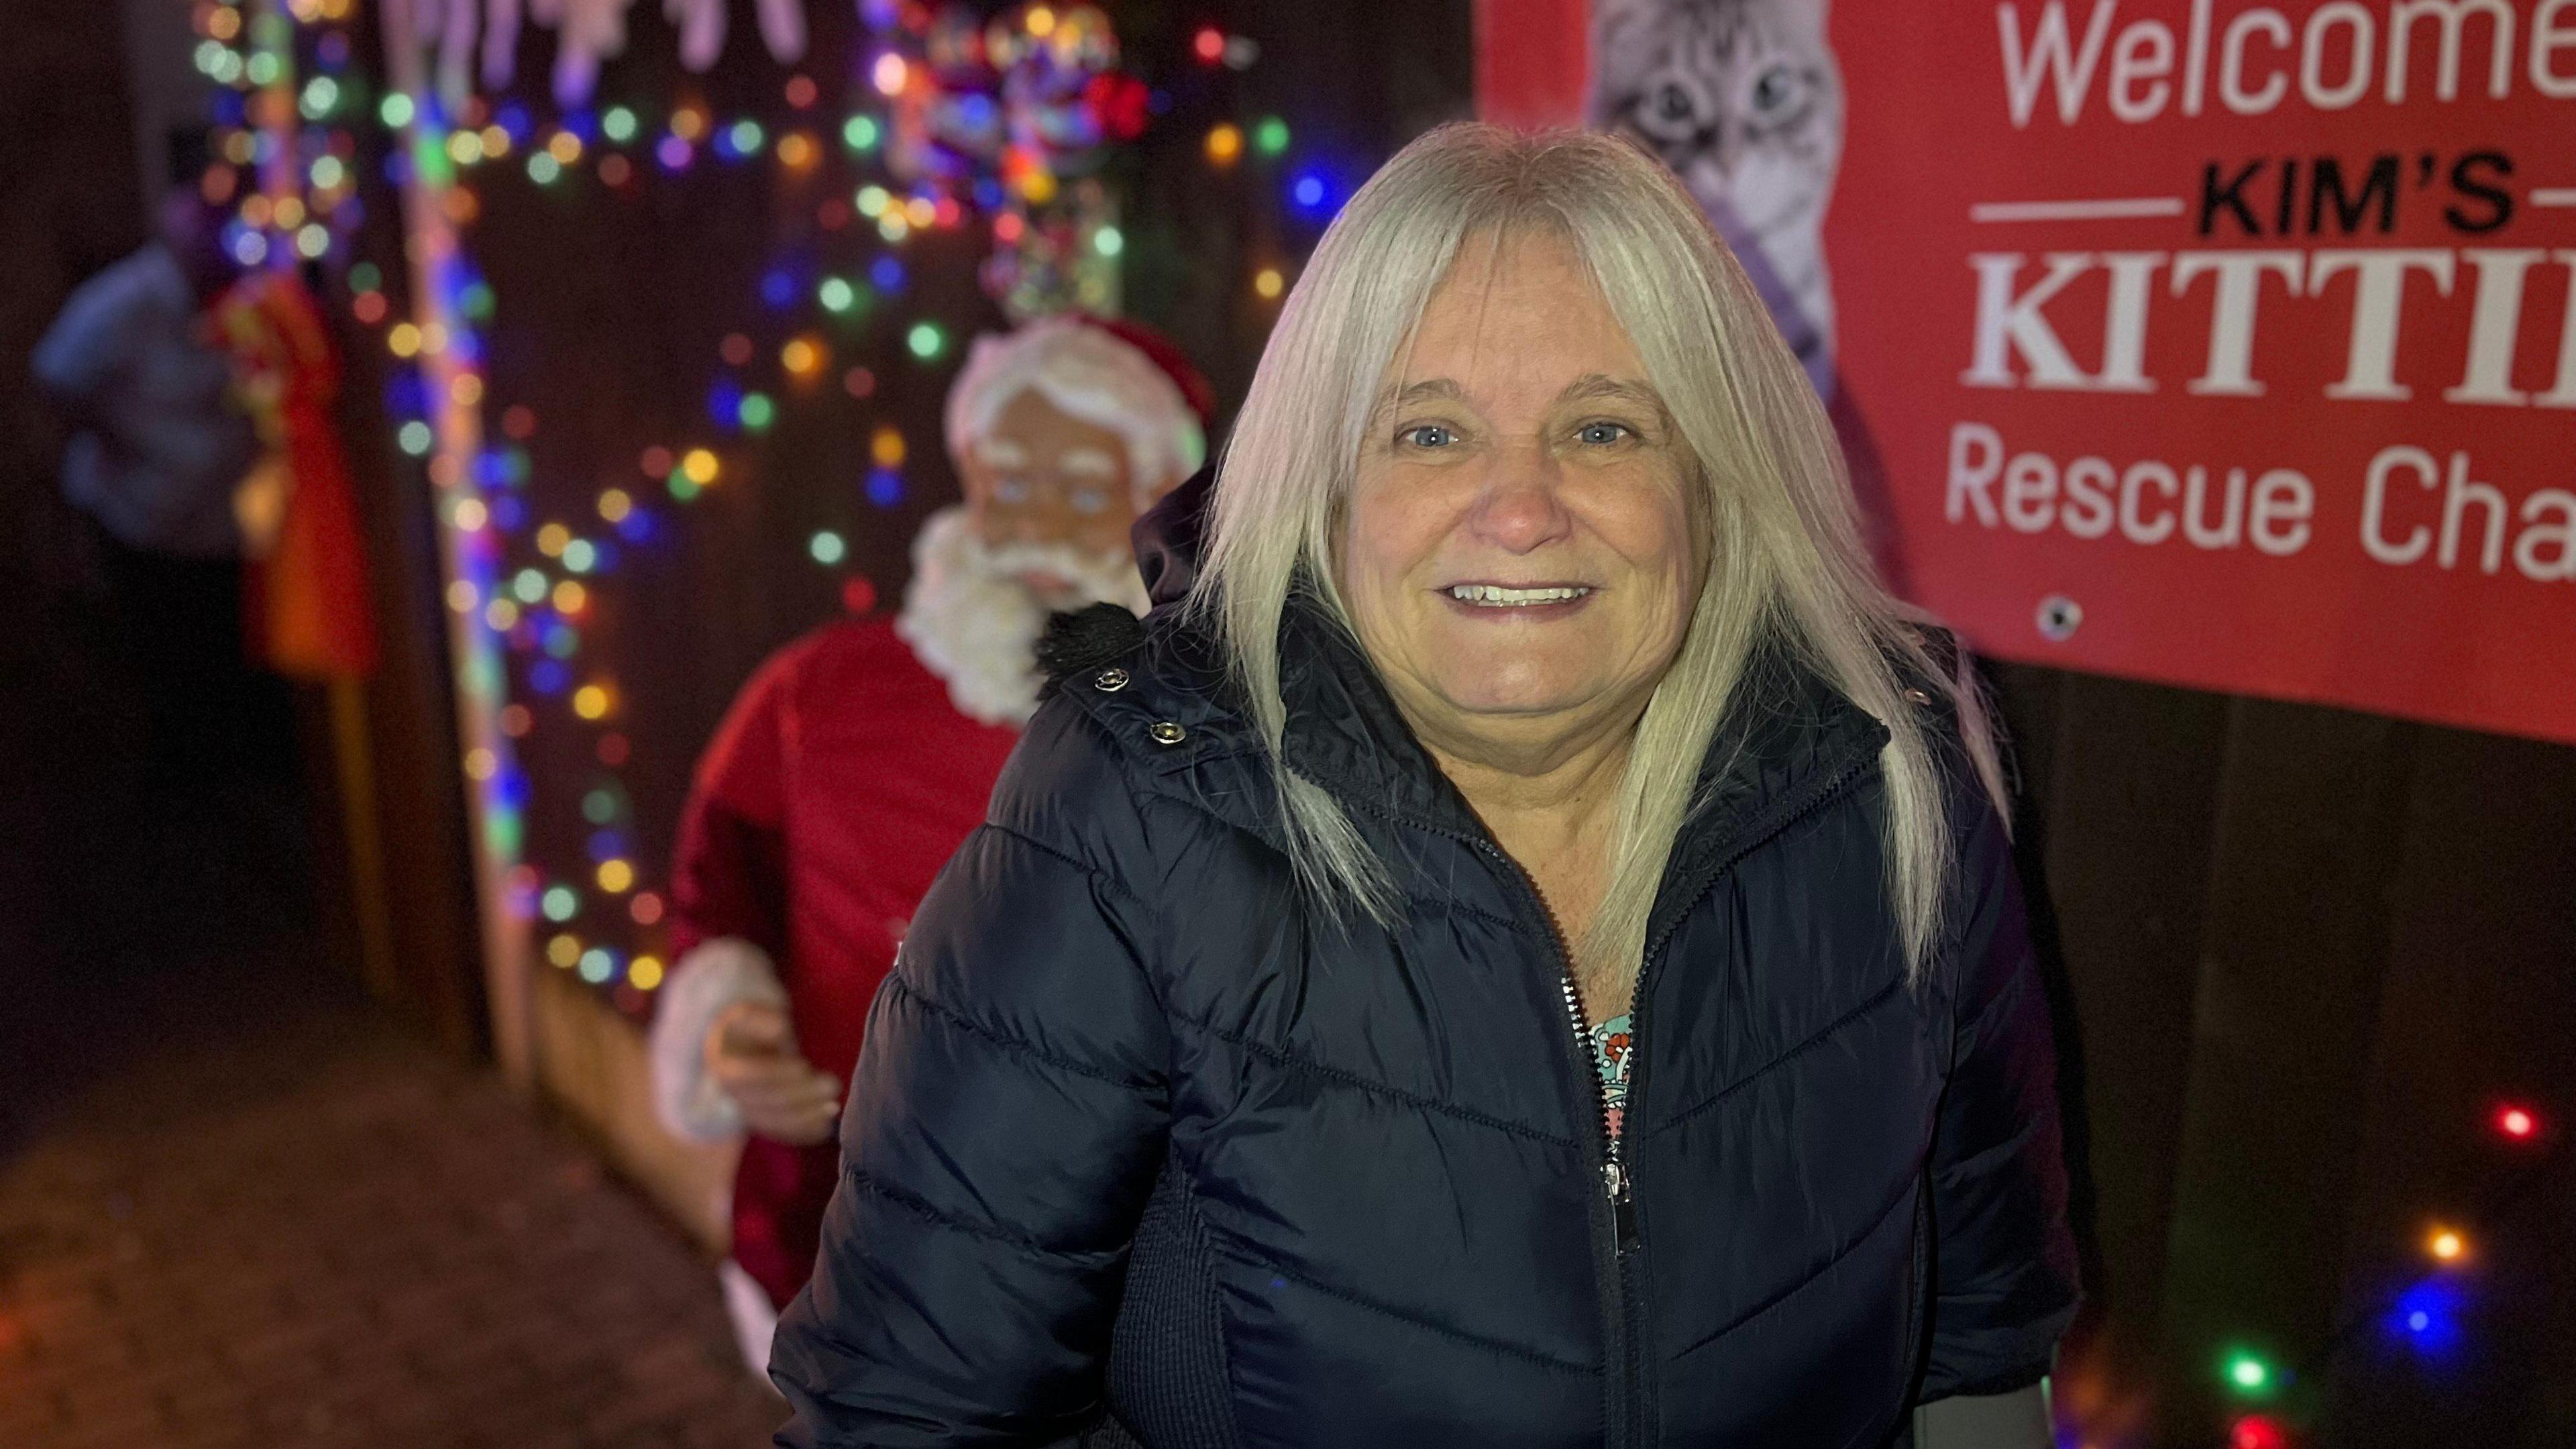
(1167, 733)
(1110, 680)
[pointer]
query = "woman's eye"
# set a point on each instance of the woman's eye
(1010, 490)
(1089, 500)
(1427, 435)
(1601, 435)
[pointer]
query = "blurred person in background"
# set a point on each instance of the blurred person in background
(1518, 948)
(857, 758)
(159, 445)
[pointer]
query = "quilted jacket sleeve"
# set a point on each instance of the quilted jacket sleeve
(1005, 1123)
(2005, 1271)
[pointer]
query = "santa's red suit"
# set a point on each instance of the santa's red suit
(841, 782)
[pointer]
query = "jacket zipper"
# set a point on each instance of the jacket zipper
(1614, 1168)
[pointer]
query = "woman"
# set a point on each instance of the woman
(1520, 955)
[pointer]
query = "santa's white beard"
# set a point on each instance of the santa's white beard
(973, 623)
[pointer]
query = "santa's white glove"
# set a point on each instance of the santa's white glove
(723, 1007)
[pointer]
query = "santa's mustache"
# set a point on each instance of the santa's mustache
(1083, 577)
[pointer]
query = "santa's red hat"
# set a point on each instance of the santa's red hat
(1166, 354)
(1112, 373)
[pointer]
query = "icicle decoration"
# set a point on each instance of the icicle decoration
(480, 38)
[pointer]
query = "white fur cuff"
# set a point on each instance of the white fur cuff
(715, 975)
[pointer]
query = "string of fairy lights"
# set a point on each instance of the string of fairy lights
(2273, 1401)
(283, 158)
(885, 165)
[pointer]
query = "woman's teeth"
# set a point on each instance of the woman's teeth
(1495, 596)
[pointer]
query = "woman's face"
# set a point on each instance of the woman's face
(1519, 558)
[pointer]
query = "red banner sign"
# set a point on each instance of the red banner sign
(2220, 344)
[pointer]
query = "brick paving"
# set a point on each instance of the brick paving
(319, 1233)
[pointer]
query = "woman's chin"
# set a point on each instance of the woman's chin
(1514, 695)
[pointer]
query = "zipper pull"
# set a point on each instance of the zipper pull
(1623, 1212)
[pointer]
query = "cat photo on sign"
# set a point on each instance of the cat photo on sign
(1743, 100)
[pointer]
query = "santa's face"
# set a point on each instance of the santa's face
(1044, 480)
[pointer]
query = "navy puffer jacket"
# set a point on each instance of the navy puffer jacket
(1349, 1187)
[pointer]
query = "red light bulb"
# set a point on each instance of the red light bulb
(1210, 44)
(2517, 1123)
(2257, 1431)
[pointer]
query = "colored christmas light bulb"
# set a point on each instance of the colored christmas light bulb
(2257, 1431)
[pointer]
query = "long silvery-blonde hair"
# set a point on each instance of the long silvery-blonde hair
(1785, 559)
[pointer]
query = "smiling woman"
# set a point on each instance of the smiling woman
(1519, 949)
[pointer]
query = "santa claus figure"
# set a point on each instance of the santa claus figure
(858, 759)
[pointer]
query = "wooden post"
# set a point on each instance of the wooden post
(431, 241)
(353, 756)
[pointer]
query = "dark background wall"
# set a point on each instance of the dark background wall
(74, 205)
(2307, 954)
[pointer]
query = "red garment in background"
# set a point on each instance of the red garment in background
(835, 789)
(307, 613)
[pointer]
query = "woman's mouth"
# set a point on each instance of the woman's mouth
(1501, 596)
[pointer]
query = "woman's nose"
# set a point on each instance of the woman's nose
(1520, 509)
